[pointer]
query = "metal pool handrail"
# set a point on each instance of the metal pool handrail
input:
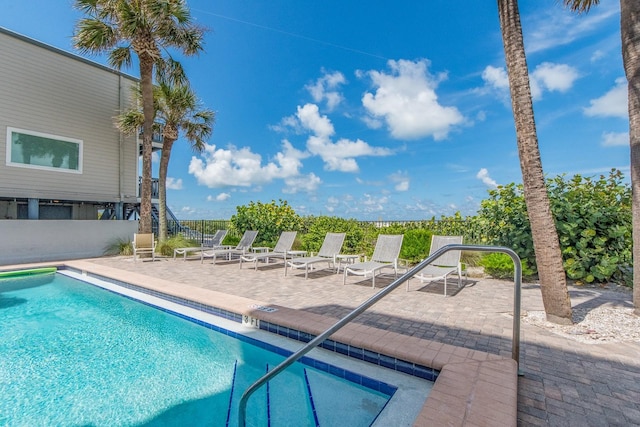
(515, 345)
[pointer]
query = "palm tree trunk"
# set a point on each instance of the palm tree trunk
(162, 187)
(146, 87)
(555, 295)
(630, 31)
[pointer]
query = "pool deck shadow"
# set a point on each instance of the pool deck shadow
(466, 336)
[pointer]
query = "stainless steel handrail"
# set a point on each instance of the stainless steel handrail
(515, 345)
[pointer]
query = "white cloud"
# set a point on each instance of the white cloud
(222, 197)
(324, 89)
(174, 184)
(373, 204)
(407, 102)
(552, 77)
(615, 139)
(483, 175)
(338, 156)
(241, 167)
(302, 183)
(401, 181)
(155, 157)
(612, 104)
(546, 76)
(496, 77)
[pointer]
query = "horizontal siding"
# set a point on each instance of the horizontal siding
(45, 91)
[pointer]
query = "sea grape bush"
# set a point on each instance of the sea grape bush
(593, 218)
(269, 219)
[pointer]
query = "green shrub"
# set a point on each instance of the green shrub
(500, 266)
(120, 247)
(318, 227)
(593, 219)
(269, 219)
(166, 247)
(415, 245)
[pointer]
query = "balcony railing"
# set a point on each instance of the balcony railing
(155, 187)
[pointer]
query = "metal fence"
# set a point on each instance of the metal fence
(201, 229)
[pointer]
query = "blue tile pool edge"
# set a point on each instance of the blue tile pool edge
(379, 359)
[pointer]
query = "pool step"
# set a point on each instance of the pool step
(282, 401)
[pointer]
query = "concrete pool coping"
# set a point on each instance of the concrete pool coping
(473, 388)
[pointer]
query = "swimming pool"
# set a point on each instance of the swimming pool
(72, 354)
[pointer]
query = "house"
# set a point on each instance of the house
(63, 164)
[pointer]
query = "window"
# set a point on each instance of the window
(42, 151)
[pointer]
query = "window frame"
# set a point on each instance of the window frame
(9, 144)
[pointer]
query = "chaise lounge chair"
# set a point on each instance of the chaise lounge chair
(385, 255)
(444, 265)
(282, 248)
(331, 246)
(214, 243)
(144, 243)
(243, 246)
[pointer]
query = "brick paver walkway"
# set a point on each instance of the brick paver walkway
(565, 383)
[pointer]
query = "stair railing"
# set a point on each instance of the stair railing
(515, 344)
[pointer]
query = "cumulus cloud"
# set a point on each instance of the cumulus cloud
(220, 197)
(612, 104)
(406, 100)
(496, 77)
(615, 139)
(401, 181)
(325, 89)
(174, 184)
(546, 77)
(483, 175)
(552, 77)
(220, 167)
(337, 156)
(302, 184)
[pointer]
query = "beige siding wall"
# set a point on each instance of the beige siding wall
(46, 91)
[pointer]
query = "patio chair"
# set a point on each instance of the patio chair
(385, 255)
(331, 246)
(283, 246)
(243, 246)
(144, 243)
(444, 265)
(210, 244)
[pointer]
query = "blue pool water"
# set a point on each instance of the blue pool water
(72, 354)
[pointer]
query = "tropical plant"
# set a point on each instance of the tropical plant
(593, 219)
(269, 219)
(144, 28)
(630, 32)
(177, 109)
(553, 284)
(318, 227)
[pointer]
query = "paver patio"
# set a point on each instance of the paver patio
(565, 382)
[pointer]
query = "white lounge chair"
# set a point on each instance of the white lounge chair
(446, 264)
(211, 244)
(331, 246)
(243, 247)
(385, 255)
(144, 243)
(282, 248)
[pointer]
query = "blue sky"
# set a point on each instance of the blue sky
(386, 111)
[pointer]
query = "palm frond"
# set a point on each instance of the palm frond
(580, 6)
(94, 36)
(120, 57)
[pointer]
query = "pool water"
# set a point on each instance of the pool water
(72, 354)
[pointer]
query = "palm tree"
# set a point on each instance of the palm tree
(177, 109)
(630, 34)
(145, 28)
(553, 282)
